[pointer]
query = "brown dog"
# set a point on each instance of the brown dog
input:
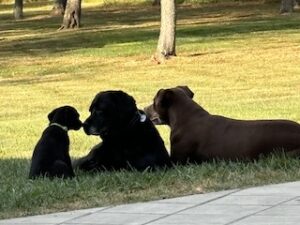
(197, 135)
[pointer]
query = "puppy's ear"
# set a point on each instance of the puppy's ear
(187, 91)
(51, 115)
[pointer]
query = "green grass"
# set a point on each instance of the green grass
(240, 59)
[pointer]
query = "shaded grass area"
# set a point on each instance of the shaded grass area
(134, 25)
(109, 188)
(240, 59)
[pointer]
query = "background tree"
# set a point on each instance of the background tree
(72, 15)
(18, 9)
(287, 6)
(167, 36)
(59, 7)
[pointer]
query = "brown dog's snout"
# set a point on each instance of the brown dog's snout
(148, 110)
(153, 115)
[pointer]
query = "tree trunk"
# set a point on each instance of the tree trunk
(166, 41)
(18, 9)
(72, 15)
(59, 7)
(287, 6)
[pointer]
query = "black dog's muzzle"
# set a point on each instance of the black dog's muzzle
(90, 130)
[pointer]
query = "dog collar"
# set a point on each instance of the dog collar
(142, 117)
(138, 117)
(58, 125)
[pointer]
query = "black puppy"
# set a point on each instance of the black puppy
(51, 154)
(130, 140)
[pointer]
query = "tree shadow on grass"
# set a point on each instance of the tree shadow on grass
(119, 26)
(21, 196)
(34, 80)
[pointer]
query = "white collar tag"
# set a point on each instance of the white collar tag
(143, 118)
(60, 126)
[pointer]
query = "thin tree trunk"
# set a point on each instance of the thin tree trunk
(167, 36)
(59, 7)
(287, 6)
(18, 9)
(72, 15)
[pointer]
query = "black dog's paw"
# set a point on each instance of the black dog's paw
(85, 164)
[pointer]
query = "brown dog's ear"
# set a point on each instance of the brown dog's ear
(51, 115)
(166, 98)
(187, 91)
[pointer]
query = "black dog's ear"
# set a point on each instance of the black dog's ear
(131, 99)
(123, 100)
(51, 115)
(187, 91)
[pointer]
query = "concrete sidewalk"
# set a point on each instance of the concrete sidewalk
(267, 205)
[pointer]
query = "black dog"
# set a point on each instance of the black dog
(130, 140)
(197, 135)
(51, 154)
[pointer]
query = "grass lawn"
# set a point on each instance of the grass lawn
(240, 59)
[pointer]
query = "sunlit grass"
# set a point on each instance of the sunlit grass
(240, 59)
